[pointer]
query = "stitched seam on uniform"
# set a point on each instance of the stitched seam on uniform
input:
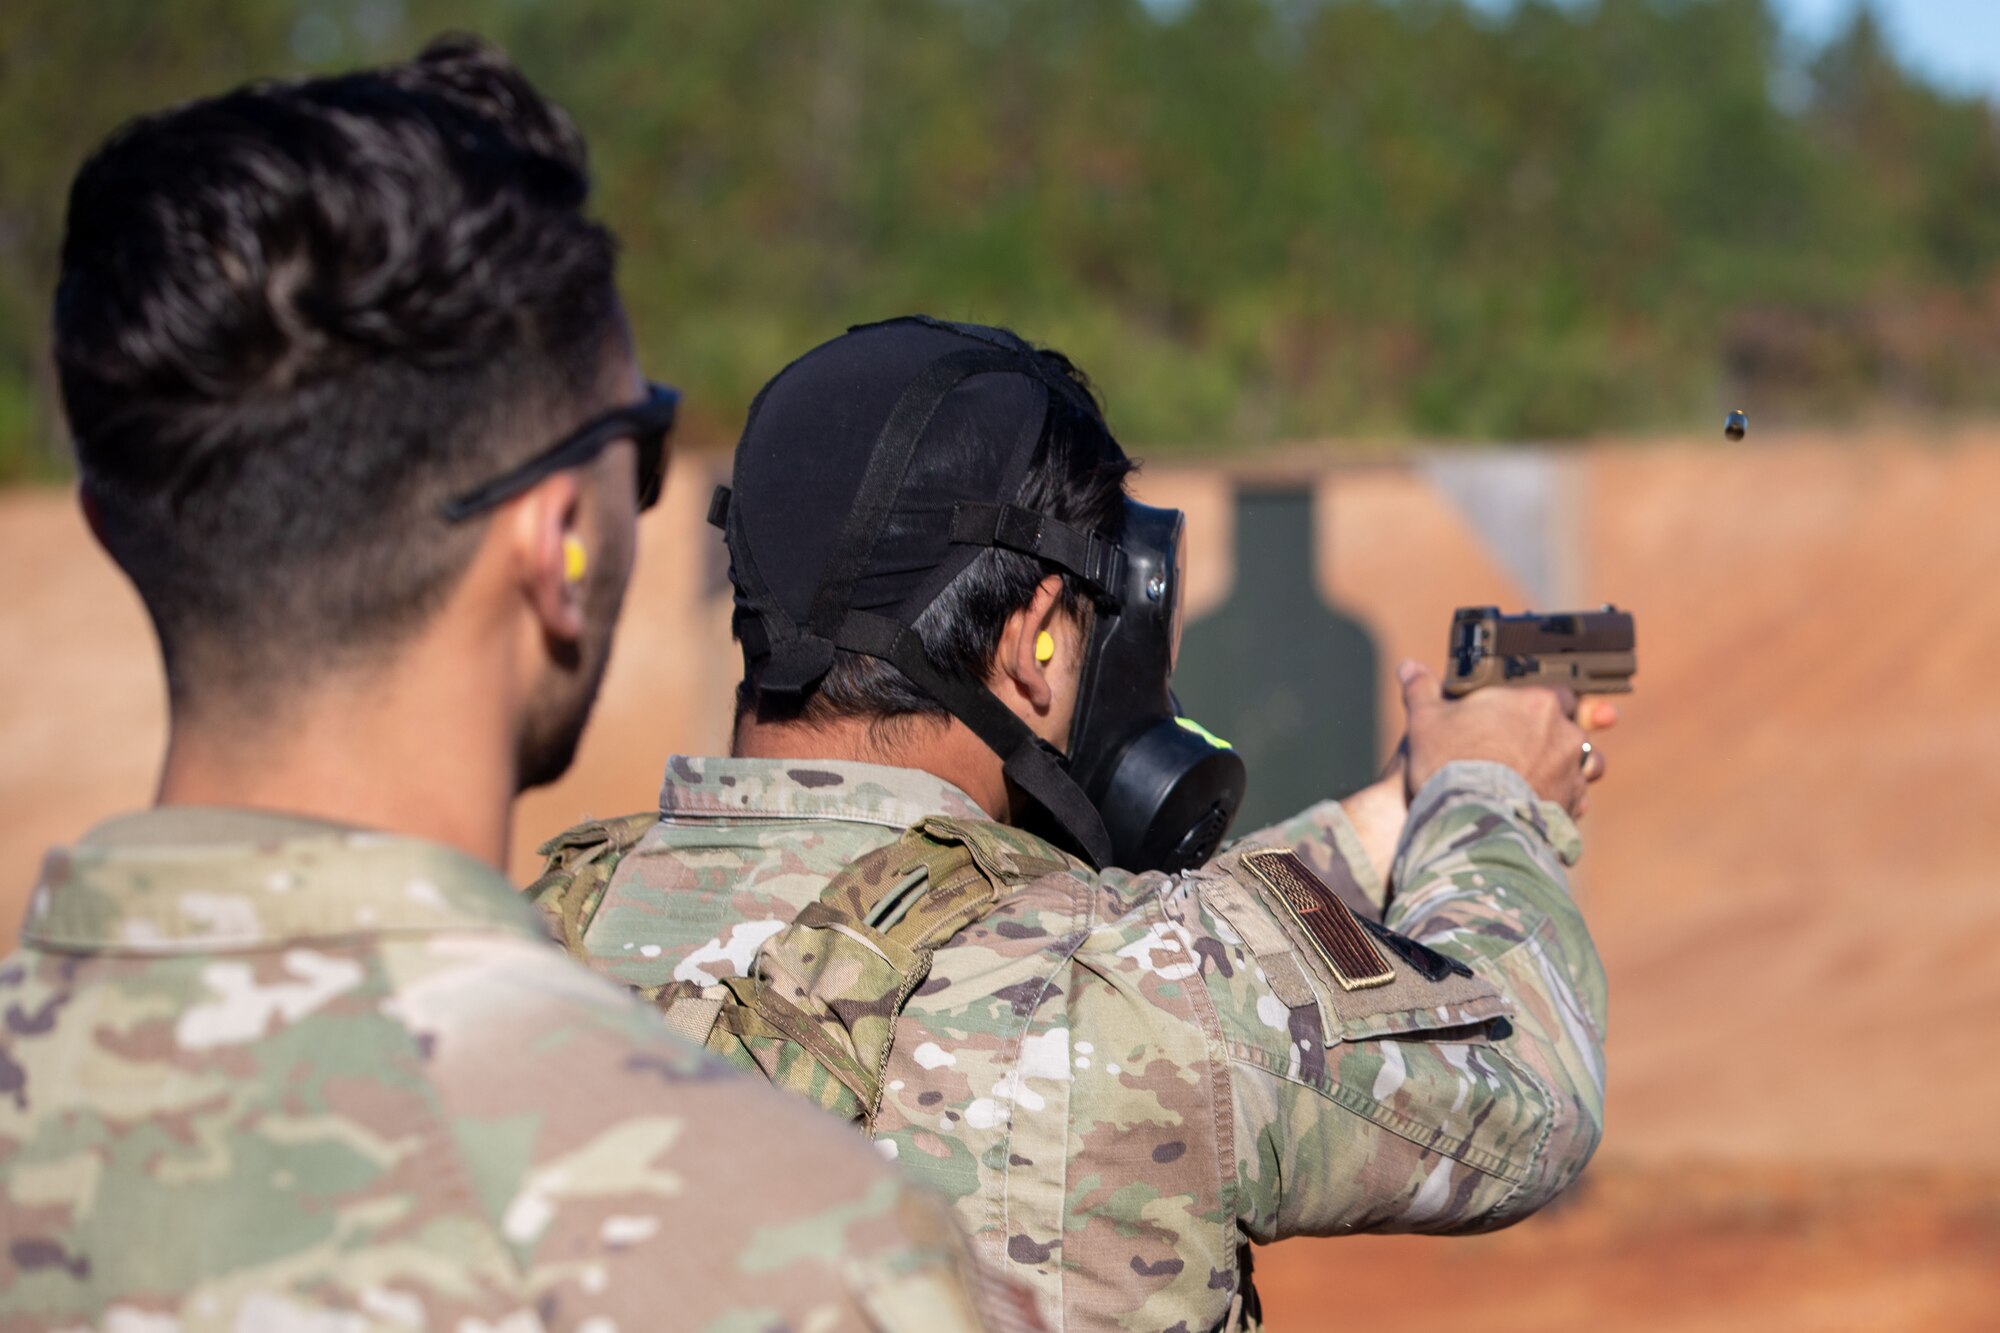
(349, 935)
(756, 815)
(1221, 1095)
(1083, 903)
(477, 896)
(1501, 1208)
(1427, 1137)
(880, 1073)
(1549, 1103)
(898, 812)
(998, 1214)
(1403, 1127)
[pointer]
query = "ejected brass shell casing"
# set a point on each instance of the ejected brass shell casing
(1737, 426)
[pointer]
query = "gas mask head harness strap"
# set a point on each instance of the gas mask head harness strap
(1137, 789)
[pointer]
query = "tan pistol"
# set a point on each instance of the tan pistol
(1591, 652)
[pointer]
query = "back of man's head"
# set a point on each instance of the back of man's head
(1036, 439)
(294, 319)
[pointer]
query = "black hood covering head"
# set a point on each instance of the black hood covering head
(812, 434)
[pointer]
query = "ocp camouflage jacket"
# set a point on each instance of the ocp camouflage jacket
(263, 1073)
(1121, 1079)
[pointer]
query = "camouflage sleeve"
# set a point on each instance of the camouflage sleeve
(627, 1174)
(1462, 1094)
(1325, 839)
(1480, 877)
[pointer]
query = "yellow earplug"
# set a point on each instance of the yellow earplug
(575, 561)
(1045, 647)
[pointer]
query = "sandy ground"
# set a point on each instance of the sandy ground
(1719, 1249)
(1791, 871)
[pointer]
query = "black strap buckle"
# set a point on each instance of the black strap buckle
(1091, 556)
(1104, 564)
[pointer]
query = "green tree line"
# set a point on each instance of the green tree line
(1248, 219)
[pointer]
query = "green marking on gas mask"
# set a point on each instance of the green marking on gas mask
(1198, 729)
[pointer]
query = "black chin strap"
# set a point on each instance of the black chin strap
(1029, 762)
(796, 658)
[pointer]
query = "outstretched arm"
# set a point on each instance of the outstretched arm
(1468, 1091)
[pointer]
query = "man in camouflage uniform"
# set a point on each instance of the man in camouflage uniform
(262, 1068)
(1122, 1078)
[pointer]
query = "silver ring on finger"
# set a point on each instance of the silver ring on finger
(1583, 758)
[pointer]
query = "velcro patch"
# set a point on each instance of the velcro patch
(1327, 922)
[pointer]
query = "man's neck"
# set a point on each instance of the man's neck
(944, 750)
(408, 753)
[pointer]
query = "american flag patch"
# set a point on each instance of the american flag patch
(1325, 921)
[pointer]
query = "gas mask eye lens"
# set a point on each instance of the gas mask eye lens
(1174, 591)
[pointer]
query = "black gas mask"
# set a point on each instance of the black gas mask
(1164, 787)
(842, 531)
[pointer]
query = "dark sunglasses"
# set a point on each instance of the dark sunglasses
(645, 423)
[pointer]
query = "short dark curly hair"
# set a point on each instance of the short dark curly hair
(293, 318)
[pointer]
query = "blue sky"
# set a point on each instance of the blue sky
(1956, 42)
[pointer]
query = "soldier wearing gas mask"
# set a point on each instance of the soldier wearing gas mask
(963, 879)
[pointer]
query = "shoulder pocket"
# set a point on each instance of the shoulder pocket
(577, 870)
(1366, 980)
(818, 1012)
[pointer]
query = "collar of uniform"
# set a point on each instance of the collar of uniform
(171, 880)
(808, 789)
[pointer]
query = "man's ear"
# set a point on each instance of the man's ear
(1025, 663)
(551, 555)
